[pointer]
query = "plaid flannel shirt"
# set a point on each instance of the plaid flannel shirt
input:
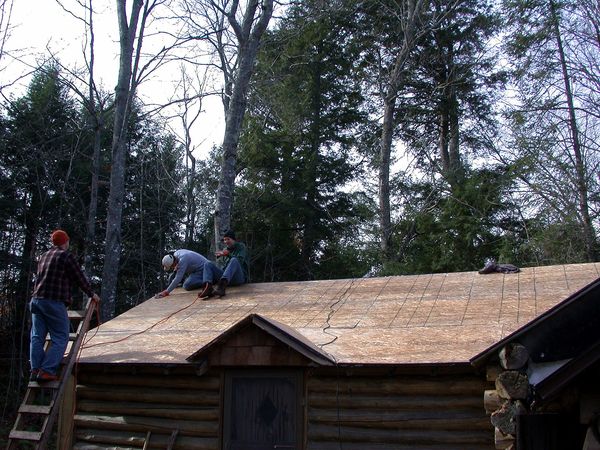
(57, 271)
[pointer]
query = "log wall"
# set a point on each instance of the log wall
(357, 409)
(123, 410)
(397, 412)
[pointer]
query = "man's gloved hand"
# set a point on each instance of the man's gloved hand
(223, 252)
(162, 294)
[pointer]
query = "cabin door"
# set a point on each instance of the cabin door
(263, 410)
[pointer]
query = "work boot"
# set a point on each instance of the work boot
(46, 376)
(206, 291)
(220, 290)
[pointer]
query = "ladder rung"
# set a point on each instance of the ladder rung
(25, 435)
(44, 384)
(72, 337)
(35, 409)
(73, 314)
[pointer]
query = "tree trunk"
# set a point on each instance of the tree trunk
(409, 21)
(125, 91)
(248, 40)
(190, 223)
(449, 138)
(385, 151)
(90, 234)
(589, 234)
(443, 138)
(95, 113)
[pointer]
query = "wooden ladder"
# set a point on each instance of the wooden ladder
(39, 410)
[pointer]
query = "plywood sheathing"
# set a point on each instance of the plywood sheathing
(417, 319)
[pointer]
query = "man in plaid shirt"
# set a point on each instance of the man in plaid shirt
(57, 271)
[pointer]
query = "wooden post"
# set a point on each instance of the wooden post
(147, 441)
(172, 440)
(66, 412)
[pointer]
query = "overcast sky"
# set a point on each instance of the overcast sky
(41, 24)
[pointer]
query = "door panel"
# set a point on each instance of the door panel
(262, 411)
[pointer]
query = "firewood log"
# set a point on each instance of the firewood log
(512, 385)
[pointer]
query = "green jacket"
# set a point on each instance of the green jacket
(239, 251)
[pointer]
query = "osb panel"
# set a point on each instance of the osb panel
(416, 319)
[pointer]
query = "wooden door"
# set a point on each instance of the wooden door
(263, 410)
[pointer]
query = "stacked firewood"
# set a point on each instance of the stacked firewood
(508, 400)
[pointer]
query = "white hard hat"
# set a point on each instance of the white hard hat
(168, 261)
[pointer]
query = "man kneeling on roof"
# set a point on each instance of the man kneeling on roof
(235, 263)
(199, 270)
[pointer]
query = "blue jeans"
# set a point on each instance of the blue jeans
(234, 273)
(211, 274)
(48, 316)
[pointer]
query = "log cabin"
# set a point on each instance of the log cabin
(400, 362)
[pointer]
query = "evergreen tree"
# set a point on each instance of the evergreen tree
(41, 147)
(153, 211)
(298, 148)
(444, 230)
(452, 89)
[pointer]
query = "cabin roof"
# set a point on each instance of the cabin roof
(445, 318)
(561, 343)
(562, 332)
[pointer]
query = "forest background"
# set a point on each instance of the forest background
(372, 138)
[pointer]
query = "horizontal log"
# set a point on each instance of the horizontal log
(443, 385)
(143, 424)
(400, 421)
(87, 446)
(396, 402)
(416, 437)
(150, 410)
(160, 381)
(492, 401)
(491, 372)
(137, 440)
(423, 418)
(168, 396)
(322, 445)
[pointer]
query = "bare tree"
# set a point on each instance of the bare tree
(191, 104)
(5, 16)
(409, 18)
(132, 30)
(235, 32)
(580, 170)
(5, 26)
(95, 103)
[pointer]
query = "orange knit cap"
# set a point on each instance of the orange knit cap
(59, 237)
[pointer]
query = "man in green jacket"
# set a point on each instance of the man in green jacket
(235, 259)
